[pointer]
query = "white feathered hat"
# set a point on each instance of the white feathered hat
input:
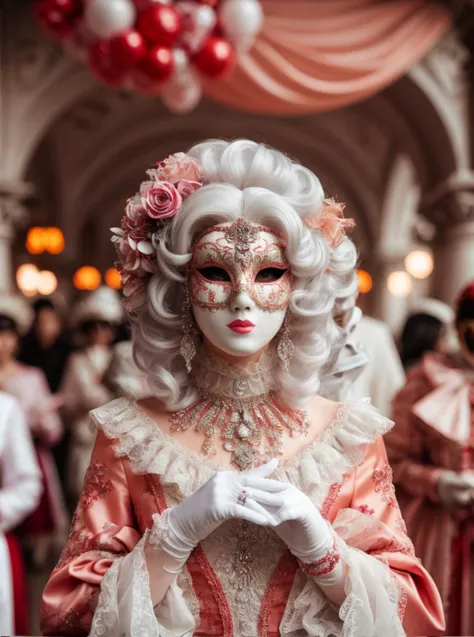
(103, 304)
(16, 308)
(436, 309)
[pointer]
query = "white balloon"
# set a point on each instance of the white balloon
(242, 21)
(107, 18)
(204, 17)
(181, 60)
(182, 97)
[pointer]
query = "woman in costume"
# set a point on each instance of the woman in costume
(20, 491)
(431, 452)
(236, 501)
(83, 388)
(47, 524)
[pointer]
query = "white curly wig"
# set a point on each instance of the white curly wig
(250, 180)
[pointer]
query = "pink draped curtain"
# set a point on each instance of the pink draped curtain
(317, 55)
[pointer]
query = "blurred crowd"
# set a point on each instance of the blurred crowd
(53, 371)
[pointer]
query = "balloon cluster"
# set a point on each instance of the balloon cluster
(155, 46)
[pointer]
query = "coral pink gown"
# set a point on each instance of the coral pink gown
(434, 432)
(137, 471)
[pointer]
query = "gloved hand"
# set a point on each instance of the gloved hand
(298, 522)
(215, 502)
(456, 489)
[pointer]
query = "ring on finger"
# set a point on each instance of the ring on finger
(242, 499)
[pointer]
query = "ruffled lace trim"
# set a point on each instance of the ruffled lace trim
(108, 620)
(323, 463)
(373, 595)
(134, 615)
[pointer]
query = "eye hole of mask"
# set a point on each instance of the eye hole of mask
(270, 275)
(214, 273)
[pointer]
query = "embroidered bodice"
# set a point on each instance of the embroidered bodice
(241, 581)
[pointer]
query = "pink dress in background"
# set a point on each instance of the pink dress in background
(434, 432)
(137, 471)
(30, 388)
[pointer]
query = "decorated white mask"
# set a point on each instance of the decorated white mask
(239, 283)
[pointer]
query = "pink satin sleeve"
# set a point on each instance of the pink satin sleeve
(374, 495)
(102, 530)
(406, 444)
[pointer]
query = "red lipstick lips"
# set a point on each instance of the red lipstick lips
(241, 327)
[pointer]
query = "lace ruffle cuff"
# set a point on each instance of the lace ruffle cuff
(324, 565)
(163, 537)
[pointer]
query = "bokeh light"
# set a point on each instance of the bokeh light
(47, 282)
(39, 240)
(27, 278)
(365, 281)
(87, 278)
(35, 240)
(113, 278)
(399, 283)
(419, 264)
(54, 241)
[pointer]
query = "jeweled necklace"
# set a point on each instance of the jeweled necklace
(237, 406)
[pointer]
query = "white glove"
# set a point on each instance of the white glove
(215, 502)
(456, 489)
(297, 521)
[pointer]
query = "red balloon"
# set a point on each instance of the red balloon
(127, 49)
(102, 65)
(160, 24)
(216, 58)
(65, 7)
(158, 64)
(58, 17)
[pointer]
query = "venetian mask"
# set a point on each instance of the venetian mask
(239, 283)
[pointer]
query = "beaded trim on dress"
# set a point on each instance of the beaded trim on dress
(237, 407)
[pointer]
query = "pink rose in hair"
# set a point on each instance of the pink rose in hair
(179, 166)
(160, 199)
(186, 188)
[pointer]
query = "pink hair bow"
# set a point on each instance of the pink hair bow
(330, 222)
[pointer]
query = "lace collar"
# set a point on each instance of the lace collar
(214, 376)
(313, 470)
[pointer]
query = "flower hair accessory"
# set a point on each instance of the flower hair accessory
(330, 222)
(146, 215)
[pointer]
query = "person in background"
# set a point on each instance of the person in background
(383, 375)
(20, 492)
(45, 527)
(431, 452)
(48, 347)
(428, 328)
(83, 388)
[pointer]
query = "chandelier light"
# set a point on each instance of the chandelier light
(87, 278)
(365, 281)
(419, 263)
(399, 283)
